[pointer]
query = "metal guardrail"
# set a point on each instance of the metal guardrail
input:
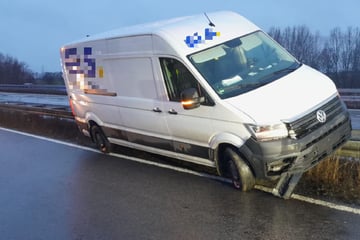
(349, 151)
(61, 89)
(34, 88)
(349, 91)
(41, 109)
(350, 96)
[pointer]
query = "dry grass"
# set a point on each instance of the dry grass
(334, 177)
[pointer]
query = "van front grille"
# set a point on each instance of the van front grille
(308, 123)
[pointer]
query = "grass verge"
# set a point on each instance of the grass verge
(336, 177)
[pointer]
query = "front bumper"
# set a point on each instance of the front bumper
(271, 159)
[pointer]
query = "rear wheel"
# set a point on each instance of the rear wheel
(102, 143)
(238, 170)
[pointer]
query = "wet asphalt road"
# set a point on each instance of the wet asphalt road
(53, 191)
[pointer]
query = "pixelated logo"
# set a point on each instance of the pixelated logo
(195, 39)
(80, 63)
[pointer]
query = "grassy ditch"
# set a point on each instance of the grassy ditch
(336, 177)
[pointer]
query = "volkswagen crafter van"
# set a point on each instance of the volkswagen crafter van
(212, 89)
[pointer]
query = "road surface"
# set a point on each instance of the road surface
(49, 190)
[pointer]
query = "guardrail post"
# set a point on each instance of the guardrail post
(286, 184)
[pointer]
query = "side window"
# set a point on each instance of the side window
(177, 78)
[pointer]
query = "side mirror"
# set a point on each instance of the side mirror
(190, 99)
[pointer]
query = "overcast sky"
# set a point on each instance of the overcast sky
(33, 30)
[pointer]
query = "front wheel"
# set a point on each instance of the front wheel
(238, 171)
(102, 143)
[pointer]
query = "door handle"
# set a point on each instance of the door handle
(172, 111)
(156, 109)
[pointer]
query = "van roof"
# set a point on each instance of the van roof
(187, 34)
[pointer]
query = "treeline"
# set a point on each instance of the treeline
(13, 71)
(337, 55)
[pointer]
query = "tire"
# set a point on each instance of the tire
(238, 171)
(99, 138)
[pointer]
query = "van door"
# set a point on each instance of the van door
(139, 103)
(190, 129)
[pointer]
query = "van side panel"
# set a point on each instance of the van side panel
(131, 77)
(138, 100)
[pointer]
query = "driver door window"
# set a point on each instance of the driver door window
(177, 78)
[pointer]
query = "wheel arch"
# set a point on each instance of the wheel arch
(92, 120)
(222, 141)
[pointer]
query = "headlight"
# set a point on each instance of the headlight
(269, 132)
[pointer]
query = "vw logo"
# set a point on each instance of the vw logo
(321, 116)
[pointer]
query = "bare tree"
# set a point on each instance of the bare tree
(340, 56)
(355, 48)
(299, 41)
(331, 59)
(343, 50)
(347, 50)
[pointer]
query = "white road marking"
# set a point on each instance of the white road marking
(316, 201)
(331, 205)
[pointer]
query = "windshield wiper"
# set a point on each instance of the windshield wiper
(288, 69)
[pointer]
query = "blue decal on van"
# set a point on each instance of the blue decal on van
(77, 63)
(210, 34)
(191, 41)
(195, 39)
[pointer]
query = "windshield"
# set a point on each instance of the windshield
(243, 64)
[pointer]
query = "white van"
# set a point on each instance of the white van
(211, 89)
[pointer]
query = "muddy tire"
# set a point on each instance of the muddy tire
(238, 171)
(99, 138)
